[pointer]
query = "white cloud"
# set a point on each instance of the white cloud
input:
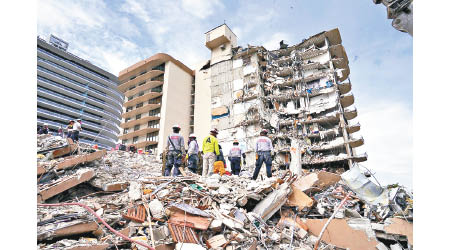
(387, 129)
(201, 8)
(274, 42)
(94, 32)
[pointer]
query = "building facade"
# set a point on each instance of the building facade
(69, 88)
(159, 92)
(300, 93)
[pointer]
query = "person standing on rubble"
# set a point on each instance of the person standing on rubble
(234, 156)
(210, 150)
(44, 129)
(76, 130)
(61, 131)
(175, 148)
(263, 150)
(70, 129)
(192, 153)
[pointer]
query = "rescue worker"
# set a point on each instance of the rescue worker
(210, 150)
(76, 130)
(60, 131)
(234, 156)
(70, 129)
(175, 148)
(132, 148)
(263, 150)
(220, 157)
(44, 129)
(192, 153)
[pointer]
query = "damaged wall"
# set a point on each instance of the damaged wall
(294, 92)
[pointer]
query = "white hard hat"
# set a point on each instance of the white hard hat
(176, 126)
(45, 124)
(192, 135)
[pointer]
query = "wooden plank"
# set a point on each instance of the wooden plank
(188, 220)
(78, 178)
(82, 159)
(76, 229)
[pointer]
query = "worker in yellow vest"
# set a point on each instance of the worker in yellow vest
(210, 150)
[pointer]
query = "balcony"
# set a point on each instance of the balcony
(143, 120)
(71, 74)
(66, 109)
(145, 77)
(140, 110)
(344, 87)
(350, 114)
(347, 100)
(143, 144)
(72, 101)
(338, 51)
(55, 116)
(80, 69)
(140, 132)
(356, 142)
(77, 86)
(147, 85)
(353, 128)
(142, 98)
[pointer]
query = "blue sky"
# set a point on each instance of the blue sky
(117, 34)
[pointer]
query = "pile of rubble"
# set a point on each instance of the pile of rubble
(94, 199)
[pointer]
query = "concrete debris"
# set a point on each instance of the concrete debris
(285, 211)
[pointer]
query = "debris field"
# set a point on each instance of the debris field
(97, 199)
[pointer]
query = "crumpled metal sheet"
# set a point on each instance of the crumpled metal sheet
(364, 188)
(190, 209)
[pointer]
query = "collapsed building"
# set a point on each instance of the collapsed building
(300, 93)
(317, 198)
(90, 199)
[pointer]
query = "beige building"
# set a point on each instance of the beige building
(159, 93)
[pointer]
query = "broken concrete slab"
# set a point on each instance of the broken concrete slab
(156, 208)
(135, 192)
(399, 227)
(314, 182)
(273, 202)
(81, 159)
(299, 198)
(341, 234)
(60, 186)
(216, 241)
(74, 229)
(287, 220)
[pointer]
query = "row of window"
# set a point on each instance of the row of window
(158, 89)
(154, 112)
(150, 124)
(150, 137)
(159, 67)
